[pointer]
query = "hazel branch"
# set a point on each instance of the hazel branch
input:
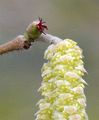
(49, 39)
(15, 44)
(34, 32)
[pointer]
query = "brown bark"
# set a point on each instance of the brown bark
(16, 44)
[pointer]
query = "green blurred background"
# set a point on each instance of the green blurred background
(20, 71)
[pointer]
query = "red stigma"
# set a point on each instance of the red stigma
(41, 25)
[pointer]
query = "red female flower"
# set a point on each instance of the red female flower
(41, 26)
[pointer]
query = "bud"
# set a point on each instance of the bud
(35, 29)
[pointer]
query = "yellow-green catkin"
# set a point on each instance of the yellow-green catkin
(62, 87)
